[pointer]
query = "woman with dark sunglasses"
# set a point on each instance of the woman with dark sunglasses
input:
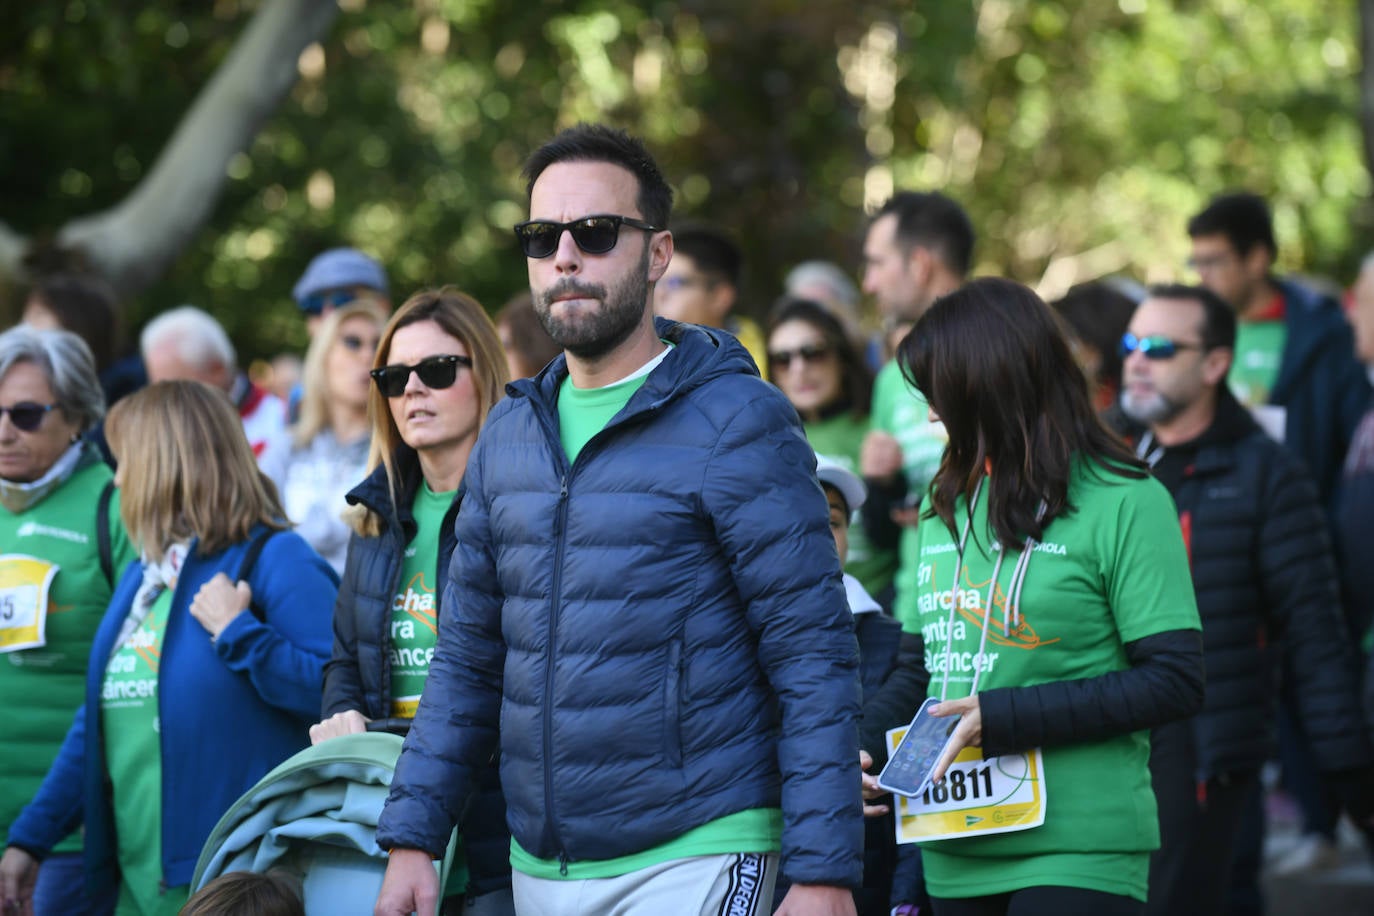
(330, 440)
(815, 363)
(1058, 620)
(439, 369)
(61, 549)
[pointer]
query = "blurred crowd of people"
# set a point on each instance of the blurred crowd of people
(203, 571)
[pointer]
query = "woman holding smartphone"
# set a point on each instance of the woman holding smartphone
(1056, 609)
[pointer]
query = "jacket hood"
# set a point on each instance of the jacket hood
(375, 493)
(700, 355)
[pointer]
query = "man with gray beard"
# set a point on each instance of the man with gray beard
(647, 602)
(1265, 580)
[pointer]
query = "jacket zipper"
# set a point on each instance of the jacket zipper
(560, 526)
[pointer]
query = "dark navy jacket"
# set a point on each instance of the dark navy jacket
(660, 628)
(1321, 384)
(229, 710)
(1267, 592)
(358, 675)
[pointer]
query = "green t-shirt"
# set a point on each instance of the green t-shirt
(902, 412)
(415, 626)
(47, 683)
(754, 830)
(1259, 351)
(133, 753)
(840, 439)
(414, 621)
(1112, 571)
(582, 413)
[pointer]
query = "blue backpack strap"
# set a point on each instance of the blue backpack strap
(250, 560)
(102, 532)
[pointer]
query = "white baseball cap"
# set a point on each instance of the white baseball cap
(841, 478)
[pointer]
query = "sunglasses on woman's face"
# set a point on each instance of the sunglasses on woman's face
(1155, 346)
(436, 372)
(593, 234)
(26, 415)
(809, 354)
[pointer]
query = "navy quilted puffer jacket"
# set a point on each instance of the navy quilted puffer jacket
(659, 630)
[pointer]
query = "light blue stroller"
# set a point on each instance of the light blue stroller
(315, 817)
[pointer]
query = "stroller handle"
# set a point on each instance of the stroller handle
(392, 725)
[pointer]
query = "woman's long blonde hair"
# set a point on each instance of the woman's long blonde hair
(186, 470)
(458, 315)
(314, 415)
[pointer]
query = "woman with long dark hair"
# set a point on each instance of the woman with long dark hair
(1058, 619)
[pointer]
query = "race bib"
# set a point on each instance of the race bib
(979, 796)
(24, 585)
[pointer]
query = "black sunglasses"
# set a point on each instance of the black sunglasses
(808, 354)
(1155, 346)
(593, 234)
(437, 372)
(26, 415)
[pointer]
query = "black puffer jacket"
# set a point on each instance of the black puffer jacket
(1266, 590)
(358, 676)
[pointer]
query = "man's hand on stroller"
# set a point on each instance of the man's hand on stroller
(348, 722)
(18, 874)
(411, 885)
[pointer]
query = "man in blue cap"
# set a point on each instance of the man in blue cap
(337, 277)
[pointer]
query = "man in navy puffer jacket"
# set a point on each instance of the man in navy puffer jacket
(647, 602)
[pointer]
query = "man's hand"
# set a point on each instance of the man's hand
(880, 457)
(968, 733)
(870, 787)
(411, 885)
(348, 722)
(815, 900)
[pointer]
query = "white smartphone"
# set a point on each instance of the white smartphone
(908, 769)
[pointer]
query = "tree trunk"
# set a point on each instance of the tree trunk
(133, 243)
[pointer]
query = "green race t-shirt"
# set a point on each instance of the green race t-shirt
(753, 830)
(414, 620)
(1259, 351)
(840, 438)
(415, 626)
(902, 412)
(1111, 572)
(133, 754)
(61, 529)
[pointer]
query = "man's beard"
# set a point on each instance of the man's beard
(1149, 408)
(590, 335)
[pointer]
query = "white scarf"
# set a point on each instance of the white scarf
(157, 578)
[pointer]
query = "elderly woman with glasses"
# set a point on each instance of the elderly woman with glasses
(330, 441)
(205, 670)
(61, 548)
(439, 369)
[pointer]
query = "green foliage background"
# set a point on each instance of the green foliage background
(1065, 127)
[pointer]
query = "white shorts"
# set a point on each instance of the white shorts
(734, 884)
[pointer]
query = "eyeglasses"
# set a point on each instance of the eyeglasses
(437, 372)
(807, 354)
(26, 415)
(1155, 346)
(316, 303)
(598, 234)
(673, 284)
(355, 343)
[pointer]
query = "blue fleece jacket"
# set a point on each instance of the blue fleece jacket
(229, 710)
